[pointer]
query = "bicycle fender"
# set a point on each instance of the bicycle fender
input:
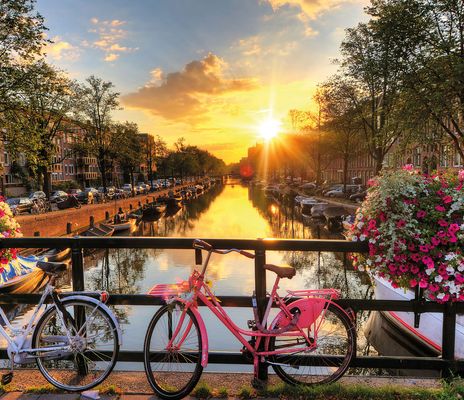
(204, 337)
(309, 310)
(101, 305)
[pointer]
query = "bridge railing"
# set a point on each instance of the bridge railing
(447, 363)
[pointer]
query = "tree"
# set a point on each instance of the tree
(371, 68)
(21, 41)
(341, 121)
(44, 102)
(432, 55)
(128, 151)
(97, 101)
(154, 147)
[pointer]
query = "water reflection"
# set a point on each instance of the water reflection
(222, 212)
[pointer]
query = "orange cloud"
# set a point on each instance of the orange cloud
(312, 8)
(61, 50)
(187, 95)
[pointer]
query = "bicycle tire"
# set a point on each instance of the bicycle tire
(341, 343)
(169, 381)
(57, 370)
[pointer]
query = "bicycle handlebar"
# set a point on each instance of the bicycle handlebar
(202, 245)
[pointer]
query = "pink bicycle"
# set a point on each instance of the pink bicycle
(310, 341)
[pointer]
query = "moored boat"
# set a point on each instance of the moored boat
(426, 339)
(317, 210)
(121, 226)
(22, 275)
(100, 230)
(334, 216)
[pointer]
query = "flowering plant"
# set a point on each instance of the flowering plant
(413, 224)
(8, 228)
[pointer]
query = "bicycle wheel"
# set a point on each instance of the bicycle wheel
(88, 358)
(327, 362)
(173, 373)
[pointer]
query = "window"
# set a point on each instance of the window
(416, 156)
(457, 159)
(444, 156)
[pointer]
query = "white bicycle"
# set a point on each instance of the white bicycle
(75, 342)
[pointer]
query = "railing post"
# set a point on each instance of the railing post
(260, 291)
(78, 286)
(449, 338)
(77, 266)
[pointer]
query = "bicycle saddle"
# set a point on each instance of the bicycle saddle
(51, 267)
(282, 271)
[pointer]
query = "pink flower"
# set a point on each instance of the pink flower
(413, 283)
(447, 199)
(414, 269)
(435, 241)
(401, 223)
(453, 239)
(461, 174)
(441, 234)
(382, 216)
(421, 214)
(424, 248)
(371, 224)
(428, 261)
(453, 228)
(408, 167)
(415, 257)
(411, 247)
(442, 222)
(440, 208)
(423, 284)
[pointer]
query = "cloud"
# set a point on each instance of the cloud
(110, 34)
(312, 8)
(61, 50)
(111, 57)
(264, 46)
(189, 94)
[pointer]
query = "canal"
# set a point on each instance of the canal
(225, 211)
(232, 210)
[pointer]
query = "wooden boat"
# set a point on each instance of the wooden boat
(426, 339)
(334, 216)
(22, 276)
(100, 230)
(174, 201)
(153, 210)
(317, 211)
(122, 226)
(55, 255)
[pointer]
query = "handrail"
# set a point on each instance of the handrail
(447, 363)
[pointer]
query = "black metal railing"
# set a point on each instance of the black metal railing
(447, 363)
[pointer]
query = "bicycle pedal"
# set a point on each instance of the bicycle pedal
(7, 378)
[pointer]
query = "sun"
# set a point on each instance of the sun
(269, 129)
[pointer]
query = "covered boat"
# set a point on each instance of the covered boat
(22, 276)
(426, 339)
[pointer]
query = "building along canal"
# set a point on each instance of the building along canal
(225, 211)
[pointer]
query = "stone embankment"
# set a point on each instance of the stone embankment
(55, 223)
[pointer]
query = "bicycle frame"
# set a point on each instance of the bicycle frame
(196, 289)
(22, 334)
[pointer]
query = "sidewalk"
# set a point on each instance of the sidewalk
(30, 385)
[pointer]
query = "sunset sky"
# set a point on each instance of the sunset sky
(208, 70)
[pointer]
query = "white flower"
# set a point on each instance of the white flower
(450, 270)
(362, 238)
(438, 278)
(429, 271)
(369, 262)
(361, 268)
(450, 256)
(354, 238)
(360, 225)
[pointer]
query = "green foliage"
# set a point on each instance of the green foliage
(246, 392)
(222, 393)
(202, 391)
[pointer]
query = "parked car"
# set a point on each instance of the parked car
(155, 187)
(37, 195)
(74, 192)
(335, 193)
(20, 205)
(359, 197)
(58, 195)
(141, 189)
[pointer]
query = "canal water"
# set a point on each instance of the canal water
(232, 210)
(225, 211)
